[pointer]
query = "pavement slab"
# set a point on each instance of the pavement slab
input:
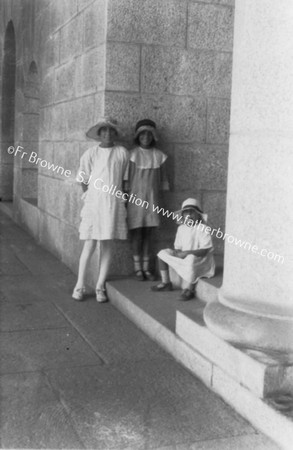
(144, 404)
(23, 351)
(107, 331)
(30, 316)
(32, 415)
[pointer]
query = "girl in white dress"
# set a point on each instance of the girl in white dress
(192, 257)
(101, 173)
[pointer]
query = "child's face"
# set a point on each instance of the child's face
(107, 135)
(145, 138)
(191, 214)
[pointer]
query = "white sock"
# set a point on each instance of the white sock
(165, 276)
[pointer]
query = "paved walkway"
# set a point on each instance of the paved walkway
(80, 375)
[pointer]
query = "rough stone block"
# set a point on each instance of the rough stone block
(91, 71)
(46, 130)
(148, 21)
(61, 12)
(31, 105)
(65, 81)
(94, 29)
(184, 171)
(177, 118)
(218, 2)
(200, 166)
(79, 115)
(218, 121)
(45, 151)
(47, 89)
(29, 183)
(71, 39)
(31, 127)
(5, 157)
(50, 49)
(29, 217)
(70, 205)
(50, 232)
(214, 204)
(122, 67)
(57, 130)
(210, 26)
(72, 247)
(6, 174)
(185, 72)
(81, 4)
(49, 196)
(66, 155)
(211, 163)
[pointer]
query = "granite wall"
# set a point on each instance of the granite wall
(76, 59)
(171, 61)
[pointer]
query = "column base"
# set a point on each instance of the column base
(271, 335)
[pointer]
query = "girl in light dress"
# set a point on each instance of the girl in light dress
(146, 177)
(192, 257)
(104, 213)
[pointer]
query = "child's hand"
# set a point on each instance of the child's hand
(180, 254)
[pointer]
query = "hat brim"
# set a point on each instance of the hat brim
(186, 208)
(92, 133)
(147, 128)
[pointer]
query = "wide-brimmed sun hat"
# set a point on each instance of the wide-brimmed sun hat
(192, 203)
(106, 121)
(146, 125)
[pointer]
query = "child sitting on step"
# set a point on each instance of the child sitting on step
(192, 257)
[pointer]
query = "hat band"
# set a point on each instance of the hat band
(192, 207)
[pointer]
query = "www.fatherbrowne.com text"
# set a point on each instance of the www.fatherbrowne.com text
(99, 184)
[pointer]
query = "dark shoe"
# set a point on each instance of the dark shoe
(139, 275)
(149, 275)
(162, 287)
(186, 295)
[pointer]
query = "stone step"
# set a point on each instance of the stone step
(259, 372)
(156, 314)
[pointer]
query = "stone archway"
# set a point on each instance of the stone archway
(8, 113)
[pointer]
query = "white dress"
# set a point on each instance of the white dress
(104, 213)
(191, 268)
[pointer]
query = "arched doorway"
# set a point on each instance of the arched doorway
(8, 114)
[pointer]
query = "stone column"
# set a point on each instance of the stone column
(255, 303)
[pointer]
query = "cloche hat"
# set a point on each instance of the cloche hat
(192, 203)
(146, 125)
(105, 121)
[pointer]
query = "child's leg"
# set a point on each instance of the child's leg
(105, 262)
(164, 271)
(147, 234)
(165, 284)
(136, 243)
(86, 254)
